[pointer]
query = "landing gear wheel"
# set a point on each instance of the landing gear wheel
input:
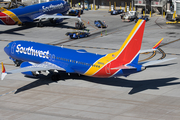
(39, 24)
(23, 24)
(71, 36)
(16, 64)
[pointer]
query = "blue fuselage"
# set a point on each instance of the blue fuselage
(30, 13)
(73, 61)
(78, 60)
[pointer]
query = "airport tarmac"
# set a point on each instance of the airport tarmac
(153, 94)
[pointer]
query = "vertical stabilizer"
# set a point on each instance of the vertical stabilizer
(129, 51)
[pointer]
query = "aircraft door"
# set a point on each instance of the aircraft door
(51, 57)
(13, 48)
(108, 68)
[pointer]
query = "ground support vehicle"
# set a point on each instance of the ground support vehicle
(79, 25)
(129, 16)
(143, 18)
(115, 12)
(100, 24)
(75, 12)
(76, 35)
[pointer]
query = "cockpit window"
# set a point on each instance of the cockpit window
(7, 45)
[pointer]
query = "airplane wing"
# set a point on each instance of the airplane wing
(34, 67)
(55, 16)
(153, 48)
(149, 63)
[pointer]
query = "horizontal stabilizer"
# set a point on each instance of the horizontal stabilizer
(155, 62)
(123, 67)
(148, 50)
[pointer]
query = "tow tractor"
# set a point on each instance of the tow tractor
(129, 16)
(79, 25)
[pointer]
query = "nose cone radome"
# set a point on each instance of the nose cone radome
(7, 49)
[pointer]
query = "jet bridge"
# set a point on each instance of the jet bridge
(174, 15)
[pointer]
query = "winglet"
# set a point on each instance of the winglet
(157, 44)
(3, 74)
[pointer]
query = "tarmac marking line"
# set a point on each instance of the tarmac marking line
(8, 93)
(169, 42)
(163, 53)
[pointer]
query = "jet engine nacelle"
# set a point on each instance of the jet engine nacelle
(57, 20)
(28, 73)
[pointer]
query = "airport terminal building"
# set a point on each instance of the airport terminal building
(162, 5)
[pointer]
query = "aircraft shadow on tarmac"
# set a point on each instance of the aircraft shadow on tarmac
(137, 86)
(60, 25)
(14, 30)
(32, 25)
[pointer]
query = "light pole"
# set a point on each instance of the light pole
(132, 5)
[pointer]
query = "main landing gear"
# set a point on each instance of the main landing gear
(17, 63)
(55, 77)
(39, 24)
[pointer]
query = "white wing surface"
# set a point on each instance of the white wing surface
(55, 16)
(35, 67)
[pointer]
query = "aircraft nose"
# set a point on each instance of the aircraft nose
(7, 49)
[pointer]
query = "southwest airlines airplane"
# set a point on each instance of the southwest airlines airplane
(42, 57)
(53, 11)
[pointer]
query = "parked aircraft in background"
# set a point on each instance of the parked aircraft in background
(42, 57)
(54, 11)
